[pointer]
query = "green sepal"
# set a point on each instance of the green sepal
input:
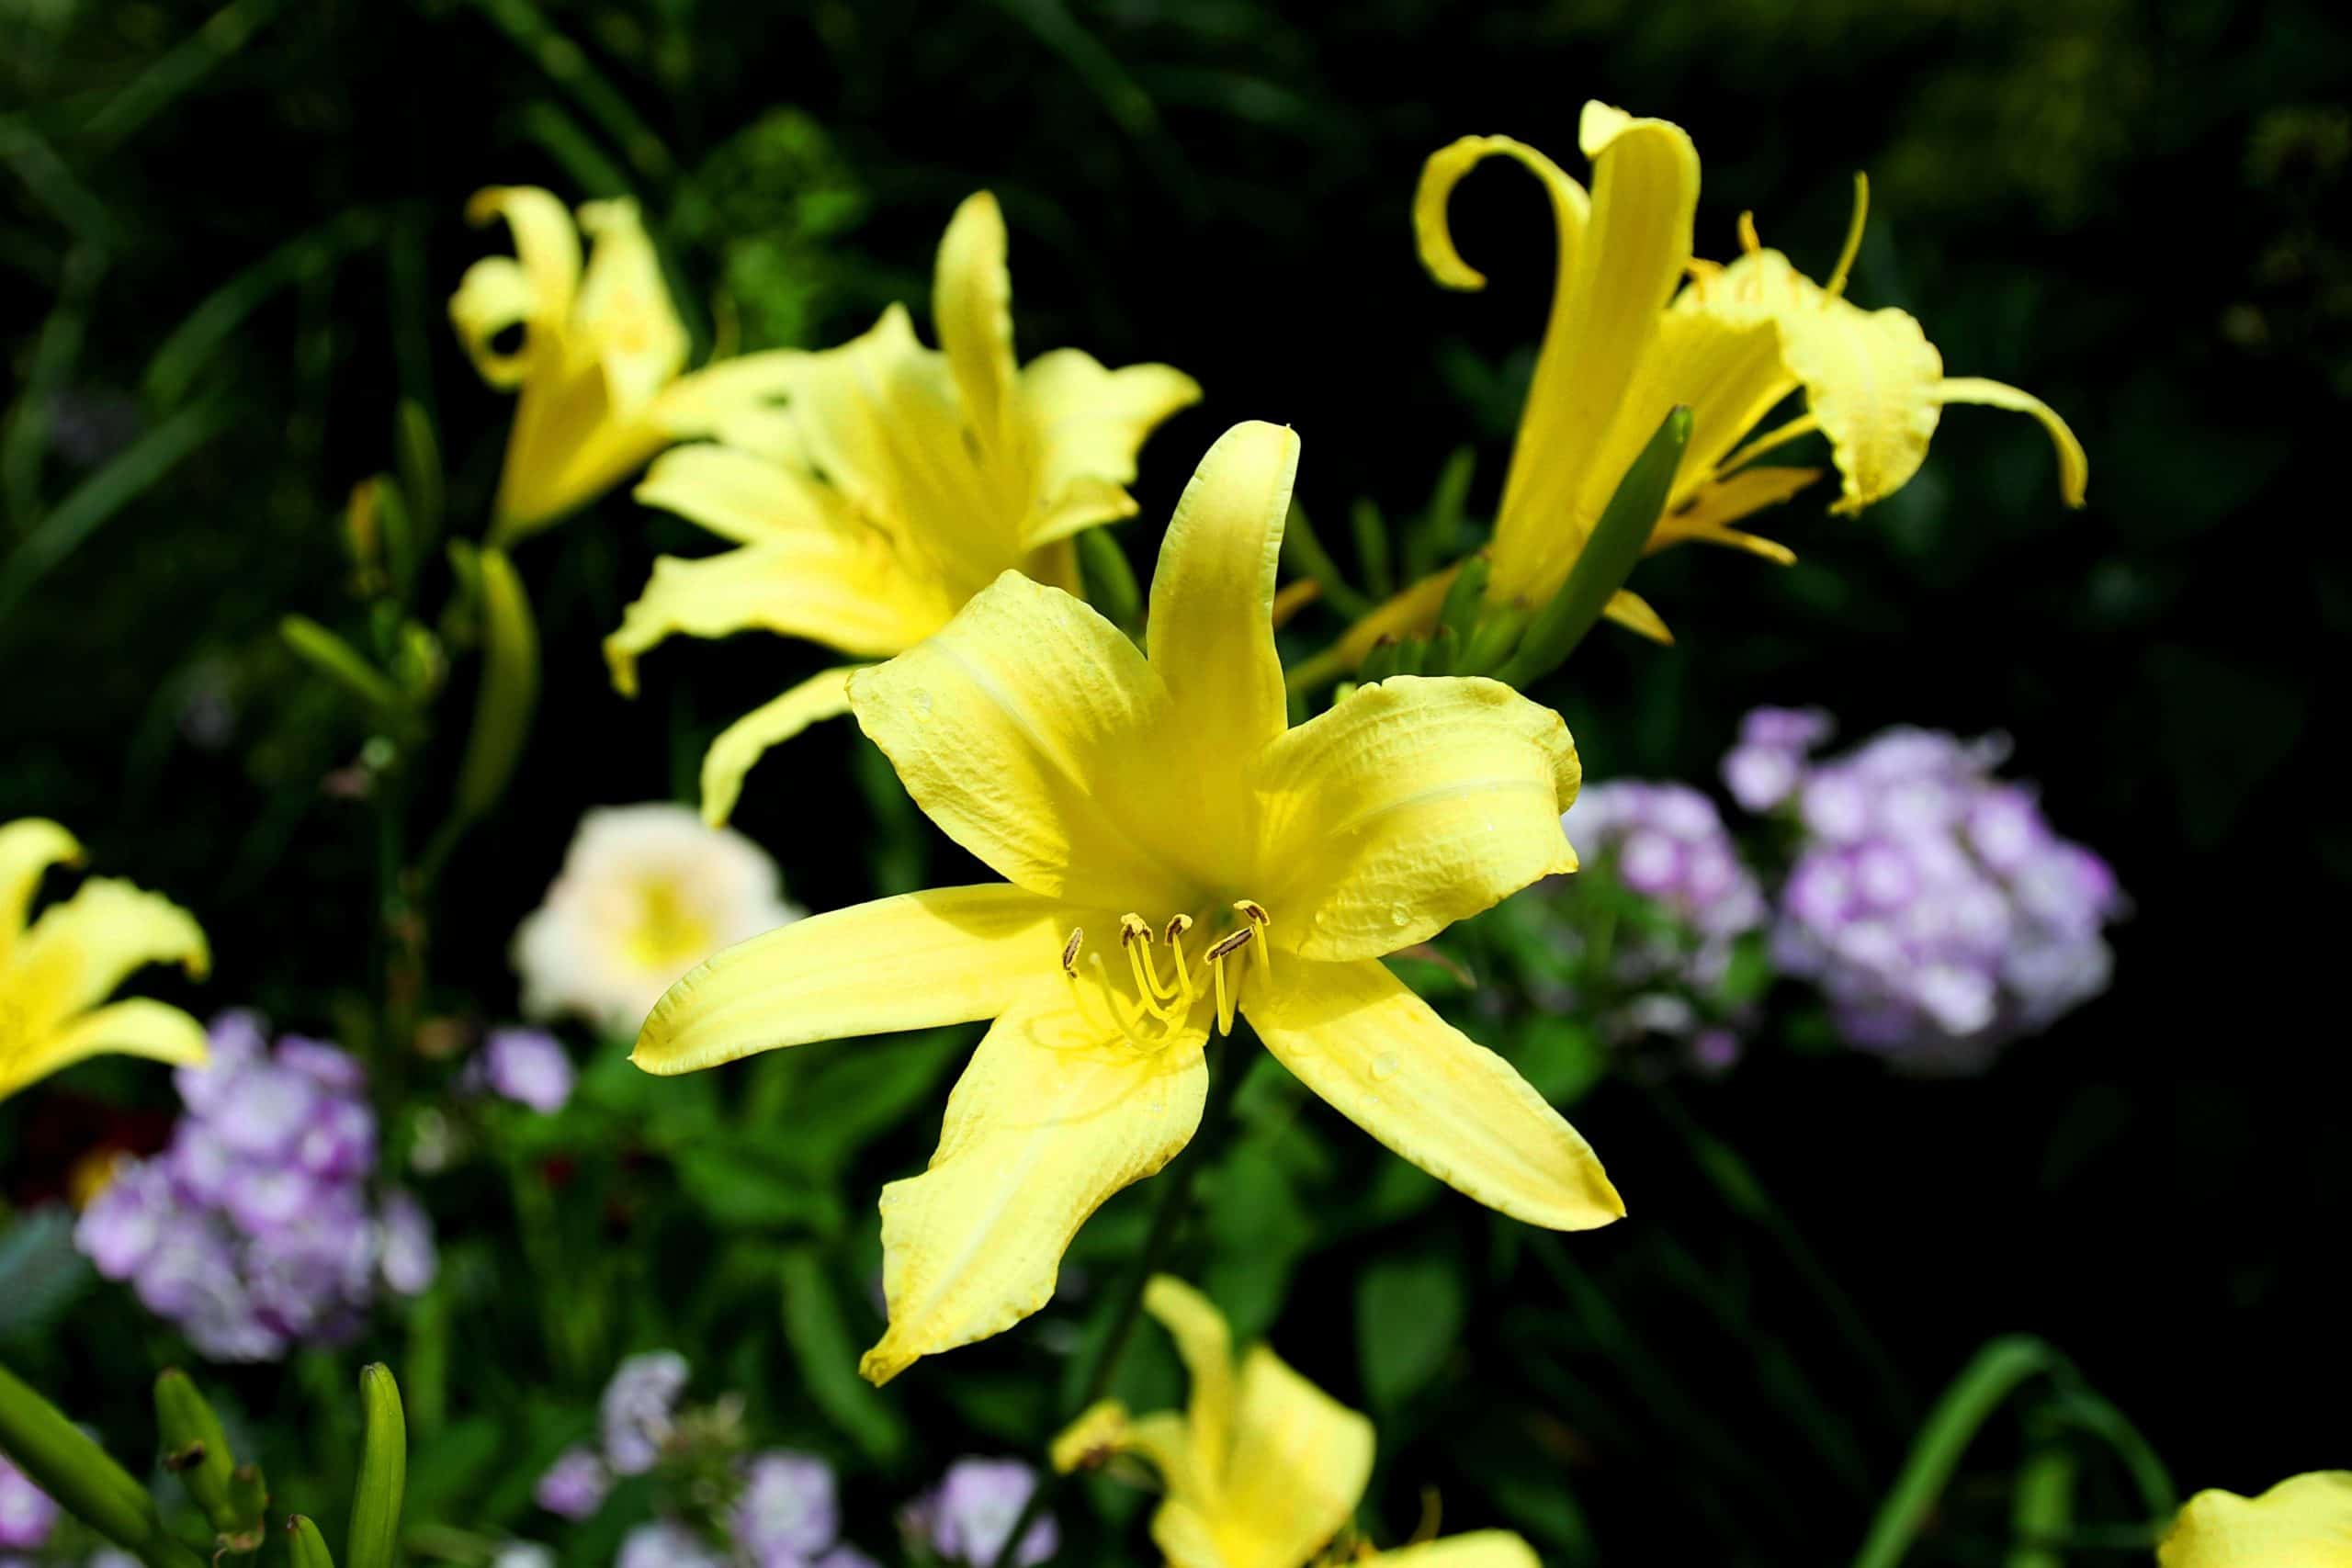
(1443, 652)
(305, 1547)
(1608, 557)
(383, 1472)
(1109, 580)
(510, 687)
(196, 1448)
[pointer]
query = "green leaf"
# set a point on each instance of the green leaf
(510, 688)
(855, 1095)
(750, 1185)
(1258, 1230)
(827, 1353)
(1408, 1314)
(41, 1274)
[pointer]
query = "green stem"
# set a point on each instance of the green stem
(2041, 1507)
(70, 1468)
(1175, 1205)
(1997, 1372)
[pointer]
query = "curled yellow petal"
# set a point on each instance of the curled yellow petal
(1416, 803)
(2073, 464)
(493, 295)
(971, 301)
(624, 315)
(944, 955)
(1443, 171)
(546, 247)
(1048, 1120)
(2305, 1522)
(29, 847)
(1379, 1055)
(751, 737)
(1205, 1345)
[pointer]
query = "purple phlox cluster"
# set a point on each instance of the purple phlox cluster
(639, 1408)
(1934, 904)
(255, 1231)
(1765, 768)
(1667, 843)
(529, 1067)
(789, 1515)
(968, 1516)
(26, 1513)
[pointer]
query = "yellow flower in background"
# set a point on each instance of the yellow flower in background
(1629, 339)
(2302, 1523)
(1264, 1469)
(56, 973)
(1173, 853)
(597, 367)
(895, 482)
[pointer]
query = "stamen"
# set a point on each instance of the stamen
(1748, 243)
(1231, 944)
(1177, 926)
(1258, 917)
(1836, 284)
(1118, 1012)
(1069, 951)
(1225, 947)
(1132, 929)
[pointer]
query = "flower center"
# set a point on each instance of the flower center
(1161, 1003)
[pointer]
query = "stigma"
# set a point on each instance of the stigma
(1164, 993)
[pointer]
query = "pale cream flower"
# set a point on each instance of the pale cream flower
(647, 892)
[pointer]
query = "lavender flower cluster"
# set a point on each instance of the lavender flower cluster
(254, 1231)
(786, 1511)
(1931, 901)
(1667, 843)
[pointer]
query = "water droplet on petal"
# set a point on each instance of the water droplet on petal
(1399, 916)
(921, 699)
(1383, 1067)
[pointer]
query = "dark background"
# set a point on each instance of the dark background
(234, 247)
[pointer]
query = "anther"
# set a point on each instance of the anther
(1232, 943)
(1133, 928)
(1259, 920)
(1177, 926)
(1069, 951)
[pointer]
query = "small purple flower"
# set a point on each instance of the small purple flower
(637, 1408)
(1764, 769)
(528, 1067)
(788, 1511)
(970, 1516)
(118, 1232)
(845, 1556)
(574, 1486)
(407, 1257)
(666, 1544)
(26, 1513)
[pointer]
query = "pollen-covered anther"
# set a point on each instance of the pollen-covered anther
(1069, 951)
(1255, 913)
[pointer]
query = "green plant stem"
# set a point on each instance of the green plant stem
(1175, 1206)
(1997, 1371)
(85, 1483)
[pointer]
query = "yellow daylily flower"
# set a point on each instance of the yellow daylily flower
(1264, 1469)
(598, 366)
(2302, 1523)
(1173, 854)
(56, 972)
(897, 481)
(1629, 339)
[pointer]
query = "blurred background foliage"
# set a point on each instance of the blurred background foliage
(228, 236)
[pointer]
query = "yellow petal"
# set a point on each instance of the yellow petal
(1019, 729)
(624, 313)
(1632, 612)
(1298, 1466)
(2073, 465)
(547, 251)
(742, 497)
(1726, 370)
(1101, 1429)
(1480, 1549)
(735, 400)
(1707, 517)
(494, 295)
(1411, 612)
(971, 301)
(29, 847)
(79, 951)
(1414, 804)
(842, 592)
(750, 738)
(1870, 377)
(1085, 426)
(944, 955)
(2302, 1523)
(1361, 1039)
(1635, 249)
(1206, 1343)
(135, 1028)
(1443, 171)
(1211, 632)
(1048, 1120)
